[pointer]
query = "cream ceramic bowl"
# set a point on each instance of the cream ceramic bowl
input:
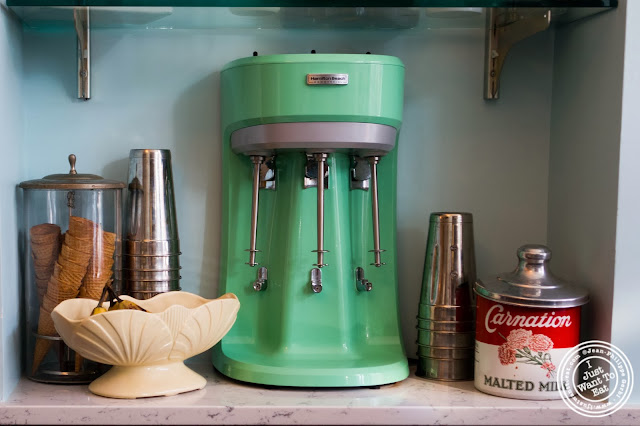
(146, 349)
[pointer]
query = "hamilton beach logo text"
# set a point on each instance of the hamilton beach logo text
(502, 318)
(328, 79)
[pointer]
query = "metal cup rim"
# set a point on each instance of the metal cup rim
(445, 347)
(446, 359)
(153, 291)
(418, 317)
(446, 332)
(427, 305)
(156, 281)
(143, 256)
(152, 270)
(152, 241)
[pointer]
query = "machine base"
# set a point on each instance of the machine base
(387, 365)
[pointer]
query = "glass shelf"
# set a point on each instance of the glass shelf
(320, 3)
(217, 14)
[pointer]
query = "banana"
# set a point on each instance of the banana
(98, 310)
(114, 306)
(122, 304)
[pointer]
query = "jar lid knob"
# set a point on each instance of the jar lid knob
(534, 253)
(72, 163)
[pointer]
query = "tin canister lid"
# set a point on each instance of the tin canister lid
(532, 284)
(451, 217)
(72, 180)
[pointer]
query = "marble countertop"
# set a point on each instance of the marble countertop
(223, 401)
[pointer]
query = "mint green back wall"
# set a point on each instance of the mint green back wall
(161, 89)
(12, 171)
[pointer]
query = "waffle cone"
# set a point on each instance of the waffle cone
(41, 289)
(48, 303)
(84, 245)
(92, 291)
(43, 253)
(57, 292)
(45, 328)
(45, 324)
(44, 233)
(82, 293)
(45, 247)
(43, 266)
(78, 364)
(40, 351)
(69, 254)
(44, 273)
(109, 239)
(100, 269)
(76, 268)
(80, 227)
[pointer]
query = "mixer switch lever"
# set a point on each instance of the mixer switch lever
(260, 284)
(362, 284)
(316, 280)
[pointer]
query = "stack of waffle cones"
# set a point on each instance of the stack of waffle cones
(45, 247)
(84, 262)
(100, 267)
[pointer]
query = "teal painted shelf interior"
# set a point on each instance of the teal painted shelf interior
(279, 14)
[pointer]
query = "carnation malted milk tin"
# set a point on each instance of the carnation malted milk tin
(526, 321)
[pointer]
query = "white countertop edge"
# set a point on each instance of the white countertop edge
(298, 415)
(223, 401)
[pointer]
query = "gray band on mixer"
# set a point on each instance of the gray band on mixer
(362, 138)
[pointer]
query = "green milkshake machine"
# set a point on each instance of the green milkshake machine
(309, 177)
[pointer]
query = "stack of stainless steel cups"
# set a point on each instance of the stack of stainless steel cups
(446, 331)
(151, 247)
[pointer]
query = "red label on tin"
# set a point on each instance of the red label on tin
(540, 329)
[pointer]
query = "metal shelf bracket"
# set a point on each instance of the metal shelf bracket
(505, 27)
(83, 29)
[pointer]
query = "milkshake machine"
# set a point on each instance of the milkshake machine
(309, 175)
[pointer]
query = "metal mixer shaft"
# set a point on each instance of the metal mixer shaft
(373, 161)
(321, 159)
(257, 161)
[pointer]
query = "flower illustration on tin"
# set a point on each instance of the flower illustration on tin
(507, 356)
(518, 339)
(522, 346)
(548, 365)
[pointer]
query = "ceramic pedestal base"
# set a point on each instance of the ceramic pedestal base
(144, 381)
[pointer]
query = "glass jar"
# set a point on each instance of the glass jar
(72, 234)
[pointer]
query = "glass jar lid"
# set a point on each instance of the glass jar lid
(72, 180)
(532, 284)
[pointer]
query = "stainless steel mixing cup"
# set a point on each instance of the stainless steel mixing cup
(140, 262)
(151, 275)
(150, 261)
(152, 247)
(445, 369)
(446, 353)
(151, 211)
(148, 289)
(458, 326)
(450, 269)
(446, 311)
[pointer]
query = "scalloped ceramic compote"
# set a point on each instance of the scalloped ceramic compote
(147, 349)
